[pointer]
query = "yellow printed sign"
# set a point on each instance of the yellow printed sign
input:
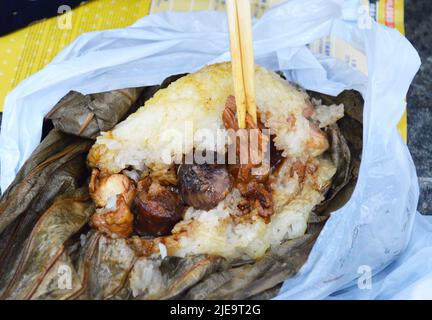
(391, 14)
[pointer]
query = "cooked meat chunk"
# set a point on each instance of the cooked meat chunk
(257, 196)
(157, 209)
(112, 195)
(116, 223)
(203, 186)
(276, 157)
(229, 118)
(104, 189)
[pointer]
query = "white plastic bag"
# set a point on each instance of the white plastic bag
(408, 277)
(374, 227)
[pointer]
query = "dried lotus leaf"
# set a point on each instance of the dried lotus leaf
(46, 243)
(341, 156)
(88, 115)
(110, 268)
(103, 273)
(353, 103)
(352, 131)
(45, 168)
(60, 281)
(12, 240)
(83, 264)
(59, 160)
(315, 218)
(10, 247)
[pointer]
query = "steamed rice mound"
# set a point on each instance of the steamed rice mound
(200, 98)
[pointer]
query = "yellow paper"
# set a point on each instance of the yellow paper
(28, 50)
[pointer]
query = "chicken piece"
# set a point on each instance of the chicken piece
(256, 196)
(157, 209)
(116, 223)
(230, 122)
(203, 186)
(104, 189)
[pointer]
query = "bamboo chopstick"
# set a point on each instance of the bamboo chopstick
(242, 58)
(247, 52)
(236, 62)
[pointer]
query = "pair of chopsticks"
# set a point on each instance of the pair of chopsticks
(242, 58)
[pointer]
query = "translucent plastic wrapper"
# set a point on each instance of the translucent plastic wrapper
(372, 231)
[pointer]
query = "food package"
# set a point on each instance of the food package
(371, 229)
